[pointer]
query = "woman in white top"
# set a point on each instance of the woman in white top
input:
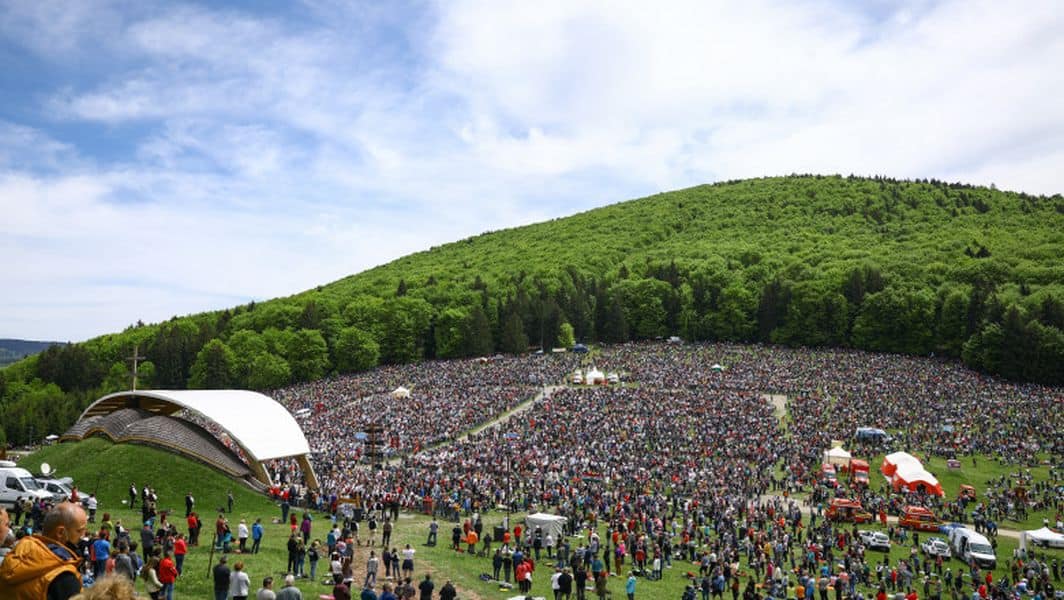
(239, 582)
(242, 535)
(408, 561)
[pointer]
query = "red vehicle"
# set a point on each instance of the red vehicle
(859, 472)
(828, 475)
(844, 509)
(919, 518)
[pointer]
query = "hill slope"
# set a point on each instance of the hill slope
(909, 267)
(13, 350)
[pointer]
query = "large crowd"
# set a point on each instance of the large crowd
(683, 459)
(688, 460)
(445, 399)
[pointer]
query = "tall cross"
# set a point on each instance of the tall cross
(135, 359)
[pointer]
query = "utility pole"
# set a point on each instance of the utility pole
(136, 358)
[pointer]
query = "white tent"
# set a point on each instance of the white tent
(400, 392)
(1044, 537)
(837, 456)
(551, 524)
(594, 377)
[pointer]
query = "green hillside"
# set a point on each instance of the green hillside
(913, 267)
(99, 466)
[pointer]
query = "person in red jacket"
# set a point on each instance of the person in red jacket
(193, 528)
(168, 575)
(180, 550)
(524, 577)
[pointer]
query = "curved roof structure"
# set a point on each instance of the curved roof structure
(257, 423)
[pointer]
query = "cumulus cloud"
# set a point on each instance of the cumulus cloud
(178, 157)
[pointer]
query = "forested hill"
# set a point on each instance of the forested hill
(896, 266)
(13, 350)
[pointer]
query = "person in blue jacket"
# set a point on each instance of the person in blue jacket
(256, 536)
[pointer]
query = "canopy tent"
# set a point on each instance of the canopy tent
(717, 368)
(905, 471)
(400, 392)
(1044, 537)
(857, 464)
(551, 524)
(594, 377)
(892, 461)
(837, 456)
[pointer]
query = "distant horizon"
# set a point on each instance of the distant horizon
(162, 159)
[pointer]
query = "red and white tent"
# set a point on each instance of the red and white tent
(905, 471)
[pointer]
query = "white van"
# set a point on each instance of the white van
(16, 483)
(970, 546)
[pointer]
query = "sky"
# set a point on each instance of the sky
(166, 158)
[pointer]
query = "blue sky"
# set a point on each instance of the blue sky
(164, 158)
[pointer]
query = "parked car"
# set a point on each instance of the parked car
(872, 435)
(936, 546)
(875, 540)
(60, 490)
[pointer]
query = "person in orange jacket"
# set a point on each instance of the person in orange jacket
(472, 539)
(46, 565)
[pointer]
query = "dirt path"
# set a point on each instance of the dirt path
(510, 414)
(779, 403)
(502, 418)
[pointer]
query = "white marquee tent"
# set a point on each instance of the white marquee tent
(551, 524)
(594, 377)
(1045, 537)
(837, 456)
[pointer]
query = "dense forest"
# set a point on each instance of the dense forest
(915, 267)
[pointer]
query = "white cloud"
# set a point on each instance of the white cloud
(273, 152)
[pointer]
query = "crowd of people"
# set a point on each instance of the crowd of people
(688, 461)
(682, 461)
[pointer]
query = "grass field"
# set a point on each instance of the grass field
(97, 465)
